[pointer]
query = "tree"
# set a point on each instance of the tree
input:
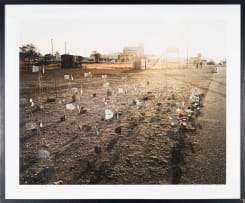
(29, 52)
(47, 56)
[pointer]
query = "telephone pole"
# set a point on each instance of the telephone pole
(54, 70)
(52, 46)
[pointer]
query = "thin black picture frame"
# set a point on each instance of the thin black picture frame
(2, 92)
(242, 102)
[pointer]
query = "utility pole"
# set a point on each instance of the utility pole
(54, 70)
(52, 46)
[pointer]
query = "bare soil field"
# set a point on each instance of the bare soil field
(68, 139)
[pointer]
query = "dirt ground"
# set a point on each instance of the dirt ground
(155, 124)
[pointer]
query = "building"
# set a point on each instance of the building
(130, 53)
(71, 61)
(196, 60)
(88, 60)
(113, 57)
(204, 62)
(193, 60)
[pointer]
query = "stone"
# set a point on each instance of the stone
(118, 130)
(58, 182)
(97, 150)
(43, 154)
(51, 100)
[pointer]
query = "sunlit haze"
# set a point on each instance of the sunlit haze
(108, 29)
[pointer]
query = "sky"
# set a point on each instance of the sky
(108, 29)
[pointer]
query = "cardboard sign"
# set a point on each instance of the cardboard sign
(120, 90)
(70, 107)
(103, 76)
(124, 78)
(130, 101)
(86, 74)
(74, 90)
(66, 77)
(138, 103)
(35, 69)
(173, 121)
(108, 114)
(106, 84)
(31, 126)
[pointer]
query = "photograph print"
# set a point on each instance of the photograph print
(117, 95)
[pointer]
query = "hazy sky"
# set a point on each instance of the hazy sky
(110, 28)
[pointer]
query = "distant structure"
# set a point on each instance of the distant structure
(130, 53)
(48, 61)
(193, 60)
(197, 60)
(88, 60)
(71, 61)
(111, 58)
(57, 56)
